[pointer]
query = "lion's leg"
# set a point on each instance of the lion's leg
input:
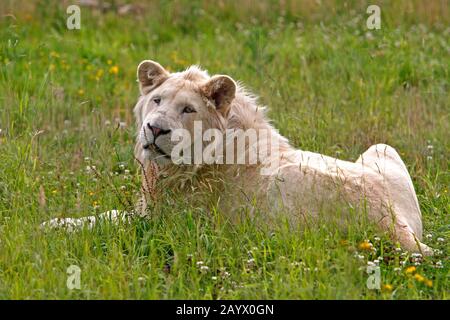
(74, 224)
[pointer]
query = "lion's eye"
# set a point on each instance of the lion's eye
(157, 100)
(188, 109)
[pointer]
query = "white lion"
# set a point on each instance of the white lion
(302, 184)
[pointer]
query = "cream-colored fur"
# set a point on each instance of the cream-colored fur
(303, 185)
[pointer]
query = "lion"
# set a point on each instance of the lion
(301, 184)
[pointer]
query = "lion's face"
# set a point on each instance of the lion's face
(176, 101)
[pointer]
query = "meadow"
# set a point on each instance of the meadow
(331, 86)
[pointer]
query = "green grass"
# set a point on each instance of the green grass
(331, 86)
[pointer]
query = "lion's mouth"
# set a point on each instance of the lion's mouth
(157, 149)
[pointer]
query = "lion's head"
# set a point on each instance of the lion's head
(171, 101)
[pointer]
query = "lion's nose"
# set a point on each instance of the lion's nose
(157, 131)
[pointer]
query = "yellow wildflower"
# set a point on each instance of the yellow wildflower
(410, 270)
(81, 92)
(114, 70)
(419, 278)
(365, 245)
(428, 283)
(387, 287)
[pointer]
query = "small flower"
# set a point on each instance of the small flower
(439, 264)
(199, 263)
(440, 240)
(365, 245)
(99, 74)
(214, 278)
(410, 270)
(377, 239)
(397, 269)
(387, 287)
(296, 264)
(419, 278)
(204, 269)
(428, 283)
(114, 70)
(80, 92)
(429, 236)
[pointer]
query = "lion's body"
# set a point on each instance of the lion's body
(302, 184)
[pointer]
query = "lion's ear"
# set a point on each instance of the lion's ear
(150, 74)
(220, 90)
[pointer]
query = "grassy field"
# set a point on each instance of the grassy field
(332, 86)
